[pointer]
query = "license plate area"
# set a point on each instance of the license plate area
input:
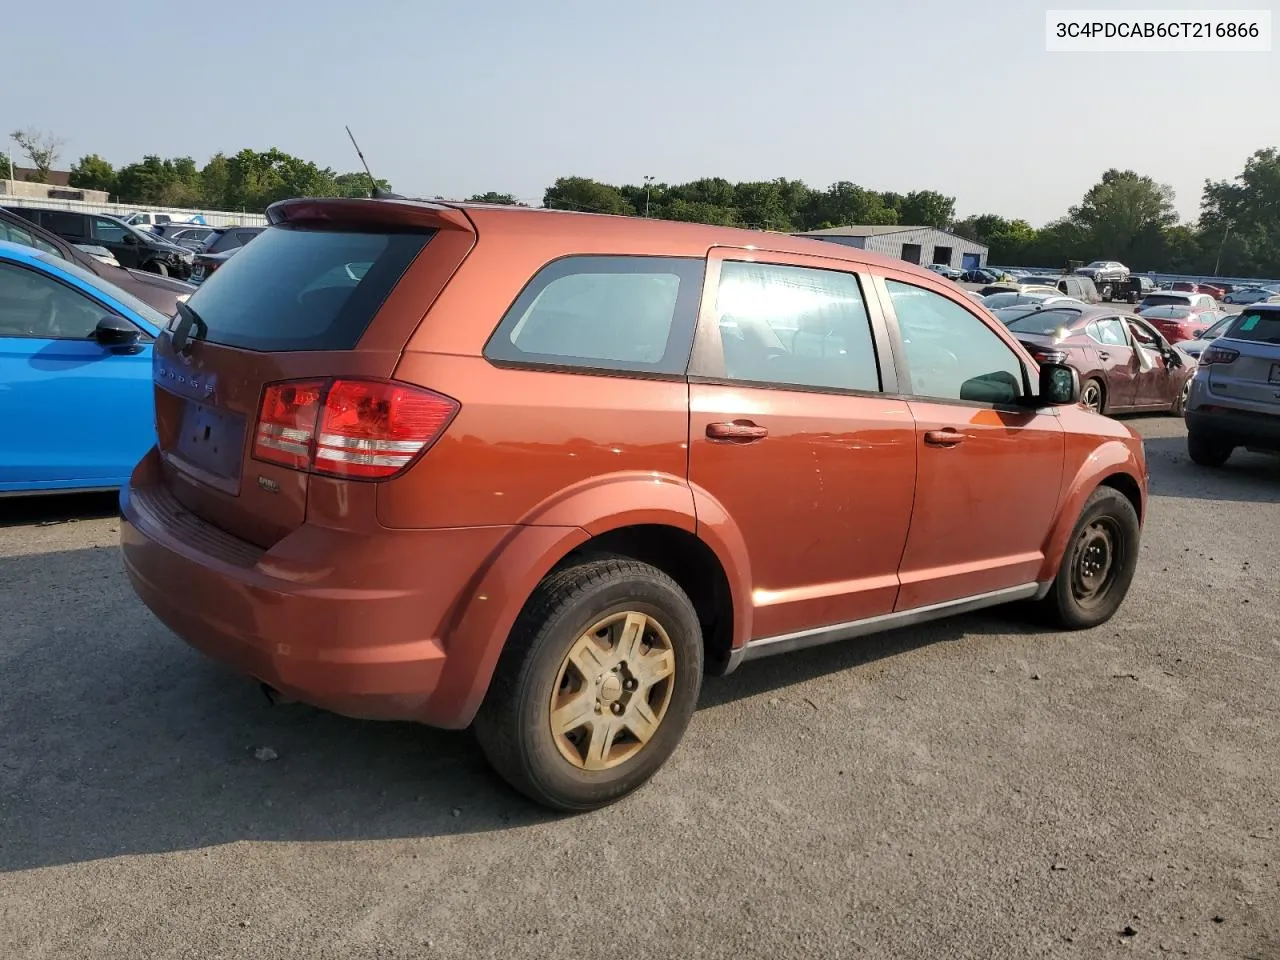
(212, 441)
(1274, 375)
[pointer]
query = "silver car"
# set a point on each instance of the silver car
(1235, 395)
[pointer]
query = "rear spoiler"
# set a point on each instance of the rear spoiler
(366, 212)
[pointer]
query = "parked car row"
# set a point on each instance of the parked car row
(132, 247)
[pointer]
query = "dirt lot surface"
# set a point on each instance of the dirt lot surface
(977, 788)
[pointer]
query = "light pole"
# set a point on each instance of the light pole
(648, 182)
(1218, 263)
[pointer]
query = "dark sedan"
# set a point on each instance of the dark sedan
(1125, 364)
(162, 293)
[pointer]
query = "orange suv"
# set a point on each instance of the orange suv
(541, 471)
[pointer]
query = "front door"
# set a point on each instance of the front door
(75, 413)
(988, 471)
(1154, 380)
(119, 239)
(794, 435)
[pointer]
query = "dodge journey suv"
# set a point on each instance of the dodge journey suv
(538, 472)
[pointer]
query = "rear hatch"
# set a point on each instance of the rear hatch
(1254, 373)
(326, 297)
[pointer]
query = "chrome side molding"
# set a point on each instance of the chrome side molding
(785, 643)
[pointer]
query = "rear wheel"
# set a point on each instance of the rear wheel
(155, 266)
(1098, 565)
(596, 685)
(1206, 451)
(1093, 395)
(1106, 291)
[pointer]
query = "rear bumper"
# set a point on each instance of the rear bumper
(355, 628)
(1238, 427)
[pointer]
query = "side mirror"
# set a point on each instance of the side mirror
(116, 332)
(131, 238)
(1059, 384)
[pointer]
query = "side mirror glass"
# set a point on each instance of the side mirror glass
(130, 238)
(116, 332)
(1059, 384)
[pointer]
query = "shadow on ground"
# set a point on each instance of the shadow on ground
(59, 508)
(121, 740)
(1245, 478)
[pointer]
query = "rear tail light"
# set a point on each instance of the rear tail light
(1213, 355)
(363, 429)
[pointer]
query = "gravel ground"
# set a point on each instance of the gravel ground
(976, 788)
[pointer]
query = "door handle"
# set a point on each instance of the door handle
(737, 431)
(943, 438)
(1104, 355)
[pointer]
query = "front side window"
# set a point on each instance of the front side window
(108, 231)
(795, 326)
(626, 314)
(35, 305)
(950, 353)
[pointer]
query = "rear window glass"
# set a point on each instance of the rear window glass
(1169, 312)
(1163, 299)
(612, 313)
(1045, 322)
(1257, 326)
(300, 289)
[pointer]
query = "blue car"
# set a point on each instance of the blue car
(75, 376)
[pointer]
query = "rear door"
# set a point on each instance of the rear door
(988, 470)
(796, 431)
(335, 290)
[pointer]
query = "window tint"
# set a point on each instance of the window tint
(795, 326)
(35, 305)
(950, 353)
(615, 313)
(301, 289)
(66, 224)
(108, 231)
(16, 234)
(1256, 325)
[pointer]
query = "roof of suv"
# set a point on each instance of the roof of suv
(674, 237)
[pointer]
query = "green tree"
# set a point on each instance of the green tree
(163, 183)
(6, 173)
(845, 204)
(583, 193)
(214, 180)
(1121, 210)
(40, 148)
(92, 172)
(358, 184)
(505, 199)
(1240, 218)
(927, 208)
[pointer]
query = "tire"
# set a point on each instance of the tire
(1179, 407)
(1206, 451)
(1081, 595)
(1105, 292)
(156, 266)
(1093, 388)
(563, 769)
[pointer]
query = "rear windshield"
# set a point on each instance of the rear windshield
(301, 289)
(1045, 322)
(1257, 326)
(1165, 299)
(1168, 312)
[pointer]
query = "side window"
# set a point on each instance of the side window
(950, 353)
(627, 314)
(66, 224)
(16, 234)
(1111, 332)
(35, 305)
(108, 231)
(795, 326)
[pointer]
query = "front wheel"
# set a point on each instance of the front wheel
(155, 266)
(1099, 563)
(596, 685)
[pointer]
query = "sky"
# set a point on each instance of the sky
(455, 99)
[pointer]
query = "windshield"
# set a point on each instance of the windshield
(1218, 329)
(1256, 326)
(1098, 263)
(145, 311)
(1054, 323)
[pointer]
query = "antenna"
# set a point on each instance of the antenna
(374, 190)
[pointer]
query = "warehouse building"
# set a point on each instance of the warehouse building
(922, 245)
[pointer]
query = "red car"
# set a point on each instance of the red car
(1125, 365)
(1214, 290)
(1180, 322)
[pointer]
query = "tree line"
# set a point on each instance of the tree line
(1125, 216)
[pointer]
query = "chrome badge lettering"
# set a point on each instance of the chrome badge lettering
(267, 484)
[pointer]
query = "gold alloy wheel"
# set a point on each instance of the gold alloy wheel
(612, 691)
